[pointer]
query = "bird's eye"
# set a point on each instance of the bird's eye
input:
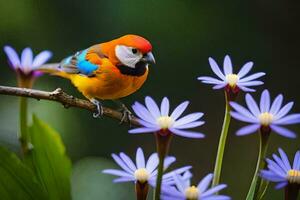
(134, 51)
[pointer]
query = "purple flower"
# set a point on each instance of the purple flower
(142, 171)
(26, 63)
(230, 79)
(267, 116)
(154, 119)
(183, 189)
(280, 170)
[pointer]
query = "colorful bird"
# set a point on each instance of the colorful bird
(107, 71)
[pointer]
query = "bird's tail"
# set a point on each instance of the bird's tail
(53, 69)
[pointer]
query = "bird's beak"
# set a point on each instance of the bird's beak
(149, 58)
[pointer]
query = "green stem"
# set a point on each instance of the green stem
(159, 177)
(256, 181)
(23, 137)
(162, 144)
(222, 143)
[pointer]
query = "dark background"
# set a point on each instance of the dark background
(183, 34)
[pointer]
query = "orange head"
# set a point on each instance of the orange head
(129, 52)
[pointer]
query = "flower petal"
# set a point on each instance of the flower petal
(276, 104)
(147, 124)
(245, 89)
(140, 158)
(152, 163)
(123, 179)
(168, 161)
(270, 176)
(26, 60)
(251, 83)
(252, 77)
(265, 101)
(209, 80)
(280, 162)
(241, 110)
(180, 184)
(205, 182)
(283, 111)
(214, 66)
(121, 163)
(289, 119)
(296, 163)
(219, 86)
(179, 110)
(143, 113)
(284, 158)
(227, 65)
(143, 130)
(128, 161)
(188, 119)
(252, 105)
(283, 131)
(213, 190)
(242, 118)
(245, 69)
(152, 107)
(190, 125)
(165, 106)
(117, 172)
(189, 134)
(248, 129)
(281, 185)
(41, 58)
(12, 56)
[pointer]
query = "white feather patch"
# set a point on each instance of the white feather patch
(127, 57)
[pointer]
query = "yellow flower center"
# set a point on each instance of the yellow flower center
(192, 193)
(232, 79)
(165, 122)
(141, 175)
(293, 176)
(265, 118)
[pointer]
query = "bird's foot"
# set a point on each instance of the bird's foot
(126, 115)
(99, 107)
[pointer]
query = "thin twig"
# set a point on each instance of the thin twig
(65, 99)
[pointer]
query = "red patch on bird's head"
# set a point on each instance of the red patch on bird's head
(137, 42)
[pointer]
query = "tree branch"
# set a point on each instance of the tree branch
(66, 100)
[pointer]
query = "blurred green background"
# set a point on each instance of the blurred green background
(183, 34)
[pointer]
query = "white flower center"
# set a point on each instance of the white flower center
(192, 193)
(232, 79)
(165, 122)
(293, 176)
(265, 118)
(141, 175)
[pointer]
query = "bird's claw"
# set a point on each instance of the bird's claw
(126, 115)
(99, 107)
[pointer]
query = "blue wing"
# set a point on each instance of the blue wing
(78, 64)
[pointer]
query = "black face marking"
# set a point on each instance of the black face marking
(139, 70)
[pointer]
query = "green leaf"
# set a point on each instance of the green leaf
(89, 183)
(17, 181)
(49, 160)
(263, 189)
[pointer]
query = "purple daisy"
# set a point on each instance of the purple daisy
(183, 189)
(280, 170)
(155, 119)
(142, 171)
(267, 116)
(228, 79)
(26, 63)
